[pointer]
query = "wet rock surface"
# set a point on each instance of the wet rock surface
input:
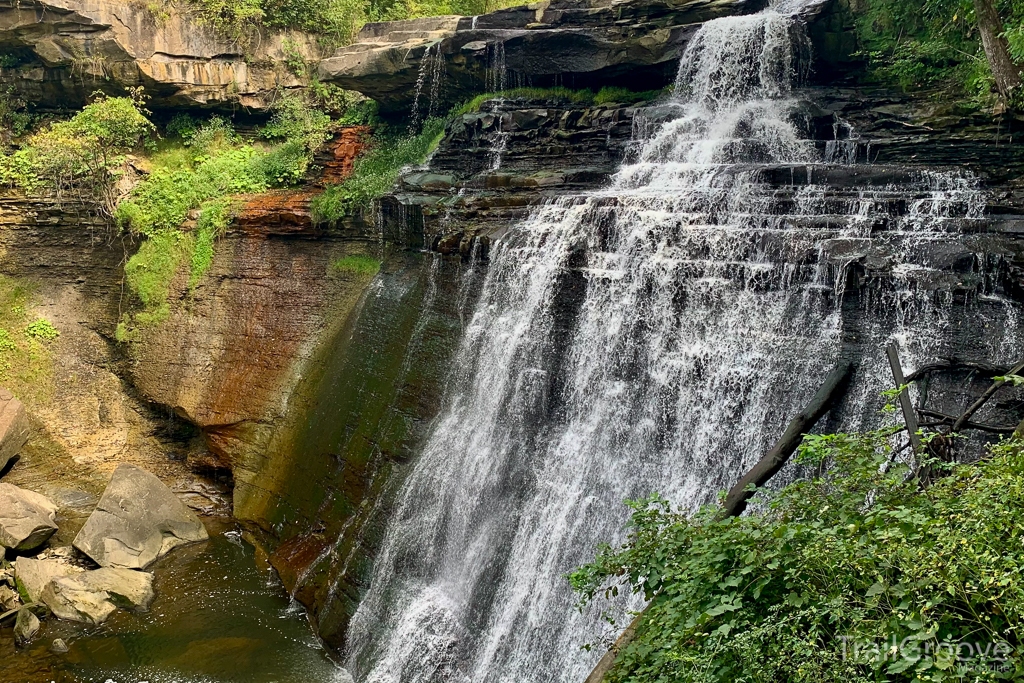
(576, 44)
(33, 575)
(93, 596)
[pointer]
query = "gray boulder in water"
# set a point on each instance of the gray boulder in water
(93, 596)
(26, 626)
(27, 519)
(138, 519)
(14, 427)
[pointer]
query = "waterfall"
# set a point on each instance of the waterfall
(656, 335)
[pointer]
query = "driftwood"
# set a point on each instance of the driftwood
(831, 390)
(948, 364)
(736, 501)
(909, 416)
(965, 418)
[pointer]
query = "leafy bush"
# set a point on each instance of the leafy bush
(200, 184)
(376, 171)
(14, 120)
(852, 574)
(85, 154)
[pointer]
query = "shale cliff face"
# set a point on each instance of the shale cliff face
(64, 50)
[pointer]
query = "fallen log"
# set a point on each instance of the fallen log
(736, 501)
(766, 468)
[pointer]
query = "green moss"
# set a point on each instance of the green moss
(26, 343)
(357, 264)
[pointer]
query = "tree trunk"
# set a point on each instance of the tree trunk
(1006, 73)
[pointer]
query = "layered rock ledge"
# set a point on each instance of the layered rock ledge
(64, 50)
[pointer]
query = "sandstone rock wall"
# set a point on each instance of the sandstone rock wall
(67, 49)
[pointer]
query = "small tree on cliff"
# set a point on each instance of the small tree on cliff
(1004, 71)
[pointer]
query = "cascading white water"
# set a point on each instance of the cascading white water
(653, 336)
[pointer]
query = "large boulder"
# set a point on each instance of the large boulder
(138, 519)
(91, 597)
(14, 427)
(65, 49)
(27, 519)
(33, 575)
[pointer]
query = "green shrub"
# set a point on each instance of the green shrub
(336, 21)
(85, 154)
(934, 43)
(376, 171)
(42, 329)
(357, 264)
(856, 553)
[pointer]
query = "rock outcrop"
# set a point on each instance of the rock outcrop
(138, 520)
(66, 49)
(14, 427)
(27, 519)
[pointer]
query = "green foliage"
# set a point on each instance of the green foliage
(14, 120)
(375, 172)
(42, 329)
(6, 341)
(854, 553)
(183, 126)
(336, 21)
(935, 43)
(198, 180)
(295, 120)
(166, 197)
(213, 221)
(357, 264)
(605, 95)
(85, 154)
(150, 271)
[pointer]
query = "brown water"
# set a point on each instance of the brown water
(216, 619)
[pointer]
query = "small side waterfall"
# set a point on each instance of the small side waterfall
(656, 335)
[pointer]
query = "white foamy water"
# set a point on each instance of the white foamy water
(653, 336)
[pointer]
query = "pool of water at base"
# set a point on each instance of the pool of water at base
(217, 618)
